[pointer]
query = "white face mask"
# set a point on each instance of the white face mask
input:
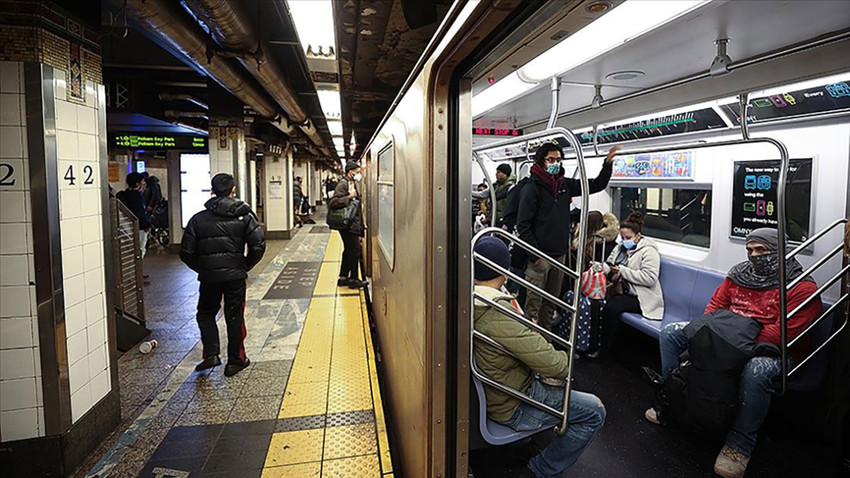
(358, 177)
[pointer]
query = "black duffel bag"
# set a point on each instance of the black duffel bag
(341, 219)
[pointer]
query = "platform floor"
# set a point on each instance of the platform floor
(309, 405)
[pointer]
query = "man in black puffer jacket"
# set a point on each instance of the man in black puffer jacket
(214, 247)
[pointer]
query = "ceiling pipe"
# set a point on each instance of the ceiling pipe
(230, 27)
(187, 114)
(183, 97)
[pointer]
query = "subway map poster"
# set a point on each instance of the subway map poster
(754, 197)
(666, 165)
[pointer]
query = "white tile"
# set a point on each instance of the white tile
(12, 207)
(33, 301)
(75, 290)
(87, 120)
(78, 347)
(13, 238)
(39, 393)
(81, 402)
(88, 151)
(71, 232)
(17, 394)
(100, 386)
(97, 361)
(19, 424)
(69, 203)
(41, 429)
(31, 267)
(73, 262)
(10, 79)
(66, 148)
(75, 318)
(17, 363)
(90, 202)
(14, 270)
(61, 88)
(18, 177)
(94, 310)
(66, 116)
(78, 374)
(96, 339)
(94, 282)
(62, 170)
(16, 333)
(10, 110)
(14, 301)
(92, 229)
(91, 94)
(11, 142)
(92, 252)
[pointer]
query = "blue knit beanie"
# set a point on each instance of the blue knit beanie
(494, 249)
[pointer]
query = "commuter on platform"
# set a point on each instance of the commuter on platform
(633, 268)
(531, 361)
(297, 196)
(751, 289)
(153, 192)
(345, 192)
(214, 246)
(133, 198)
(543, 220)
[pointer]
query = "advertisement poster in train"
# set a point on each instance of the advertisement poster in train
(820, 99)
(754, 202)
(664, 165)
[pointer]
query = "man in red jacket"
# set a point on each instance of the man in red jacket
(751, 289)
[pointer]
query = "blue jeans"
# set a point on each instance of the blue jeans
(754, 389)
(585, 416)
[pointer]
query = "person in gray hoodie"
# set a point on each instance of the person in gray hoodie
(634, 267)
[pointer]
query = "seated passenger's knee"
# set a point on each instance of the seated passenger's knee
(761, 370)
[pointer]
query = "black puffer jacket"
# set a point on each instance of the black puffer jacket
(214, 241)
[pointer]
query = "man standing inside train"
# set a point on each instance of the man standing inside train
(214, 245)
(505, 180)
(543, 221)
(751, 289)
(528, 361)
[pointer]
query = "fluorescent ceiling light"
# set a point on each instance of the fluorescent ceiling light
(621, 25)
(335, 127)
(314, 23)
(617, 27)
(675, 111)
(339, 143)
(803, 85)
(329, 100)
(503, 91)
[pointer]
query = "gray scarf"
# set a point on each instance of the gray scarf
(762, 272)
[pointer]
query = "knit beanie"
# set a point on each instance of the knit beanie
(495, 250)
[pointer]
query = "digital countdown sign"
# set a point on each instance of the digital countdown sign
(157, 141)
(496, 132)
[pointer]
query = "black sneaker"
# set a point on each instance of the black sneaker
(343, 282)
(232, 369)
(357, 284)
(208, 362)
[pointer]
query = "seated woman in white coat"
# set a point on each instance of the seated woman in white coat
(633, 267)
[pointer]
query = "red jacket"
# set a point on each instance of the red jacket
(763, 305)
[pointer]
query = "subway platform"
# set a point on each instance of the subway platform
(309, 404)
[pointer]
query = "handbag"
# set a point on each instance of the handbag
(342, 218)
(594, 284)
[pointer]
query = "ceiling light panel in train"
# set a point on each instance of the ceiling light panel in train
(314, 22)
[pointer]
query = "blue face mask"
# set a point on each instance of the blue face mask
(553, 169)
(629, 244)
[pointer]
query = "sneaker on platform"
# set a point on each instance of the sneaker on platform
(208, 362)
(731, 463)
(232, 369)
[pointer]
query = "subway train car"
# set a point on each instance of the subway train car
(732, 115)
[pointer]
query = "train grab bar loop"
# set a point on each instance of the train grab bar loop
(574, 274)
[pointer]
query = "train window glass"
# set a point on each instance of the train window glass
(676, 215)
(386, 203)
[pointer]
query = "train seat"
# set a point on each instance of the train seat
(490, 432)
(687, 291)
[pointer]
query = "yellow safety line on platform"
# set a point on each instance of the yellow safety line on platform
(333, 372)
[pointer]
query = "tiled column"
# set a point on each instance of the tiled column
(278, 207)
(228, 155)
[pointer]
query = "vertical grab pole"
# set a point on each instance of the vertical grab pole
(489, 188)
(783, 292)
(582, 239)
(556, 102)
(744, 108)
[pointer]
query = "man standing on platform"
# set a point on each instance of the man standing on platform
(214, 247)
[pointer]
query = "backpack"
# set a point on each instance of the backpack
(511, 210)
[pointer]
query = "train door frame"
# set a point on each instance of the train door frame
(366, 246)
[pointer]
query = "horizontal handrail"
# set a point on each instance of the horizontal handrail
(495, 231)
(820, 318)
(818, 292)
(814, 238)
(528, 323)
(487, 340)
(827, 341)
(817, 265)
(523, 282)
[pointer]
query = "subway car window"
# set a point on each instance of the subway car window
(677, 215)
(386, 203)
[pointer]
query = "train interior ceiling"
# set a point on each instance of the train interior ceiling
(650, 75)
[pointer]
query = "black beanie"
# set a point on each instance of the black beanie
(494, 249)
(505, 169)
(351, 166)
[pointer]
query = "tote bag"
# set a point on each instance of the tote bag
(341, 219)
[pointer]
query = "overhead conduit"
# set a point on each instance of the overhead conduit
(175, 30)
(229, 25)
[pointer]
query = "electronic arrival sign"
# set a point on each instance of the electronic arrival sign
(496, 132)
(185, 142)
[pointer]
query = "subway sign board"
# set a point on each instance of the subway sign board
(185, 142)
(496, 132)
